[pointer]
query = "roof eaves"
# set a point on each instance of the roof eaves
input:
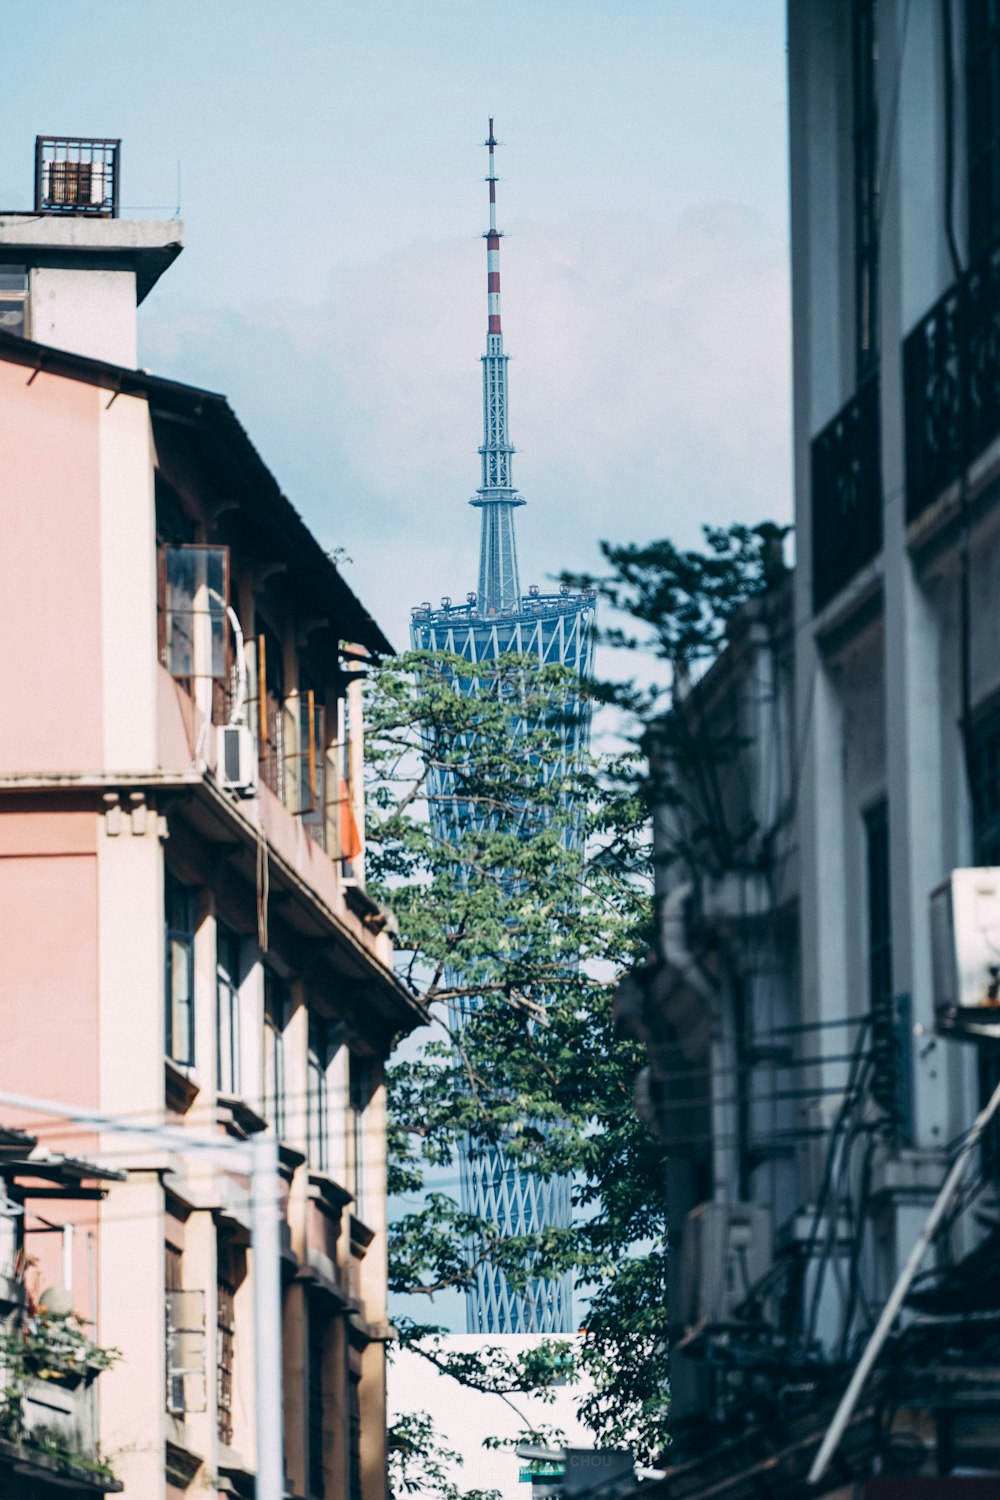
(213, 410)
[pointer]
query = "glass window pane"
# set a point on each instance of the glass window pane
(195, 604)
(12, 316)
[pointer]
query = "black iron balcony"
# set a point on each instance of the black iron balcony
(846, 493)
(951, 370)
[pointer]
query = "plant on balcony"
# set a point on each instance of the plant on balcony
(44, 1347)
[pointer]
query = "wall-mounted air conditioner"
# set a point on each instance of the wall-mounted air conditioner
(965, 952)
(236, 759)
(726, 1248)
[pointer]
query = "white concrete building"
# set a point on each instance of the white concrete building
(883, 778)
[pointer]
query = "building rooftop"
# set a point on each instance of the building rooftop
(225, 446)
(145, 246)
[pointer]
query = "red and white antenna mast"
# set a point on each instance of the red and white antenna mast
(499, 589)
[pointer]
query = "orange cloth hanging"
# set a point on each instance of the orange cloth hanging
(350, 834)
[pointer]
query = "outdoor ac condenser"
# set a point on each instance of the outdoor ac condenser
(965, 952)
(726, 1248)
(236, 759)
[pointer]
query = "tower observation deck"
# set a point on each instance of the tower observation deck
(557, 628)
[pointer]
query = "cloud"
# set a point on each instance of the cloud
(650, 391)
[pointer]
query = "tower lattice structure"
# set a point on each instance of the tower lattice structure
(557, 627)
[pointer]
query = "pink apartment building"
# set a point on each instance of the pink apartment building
(185, 930)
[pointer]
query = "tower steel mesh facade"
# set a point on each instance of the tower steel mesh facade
(555, 628)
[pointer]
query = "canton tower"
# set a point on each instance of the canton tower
(556, 628)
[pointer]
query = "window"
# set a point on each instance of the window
(227, 1002)
(194, 597)
(984, 789)
(225, 1337)
(266, 708)
(888, 1060)
(179, 972)
(362, 1089)
(275, 1021)
(317, 1352)
(185, 1329)
(317, 1095)
(866, 184)
(879, 928)
(982, 119)
(14, 300)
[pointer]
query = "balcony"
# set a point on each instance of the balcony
(951, 372)
(846, 494)
(299, 739)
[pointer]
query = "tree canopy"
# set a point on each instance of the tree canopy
(520, 876)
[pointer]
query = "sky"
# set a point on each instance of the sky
(327, 162)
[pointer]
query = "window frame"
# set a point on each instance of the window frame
(16, 297)
(228, 979)
(179, 939)
(866, 185)
(361, 1089)
(277, 1007)
(318, 1093)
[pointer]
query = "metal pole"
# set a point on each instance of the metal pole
(67, 1259)
(265, 1229)
(849, 1400)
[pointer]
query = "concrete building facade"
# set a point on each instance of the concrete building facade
(795, 987)
(186, 931)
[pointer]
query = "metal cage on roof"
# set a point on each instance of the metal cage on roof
(77, 175)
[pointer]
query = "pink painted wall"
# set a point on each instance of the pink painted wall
(49, 573)
(49, 995)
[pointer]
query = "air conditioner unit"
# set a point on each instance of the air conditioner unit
(726, 1248)
(236, 758)
(965, 952)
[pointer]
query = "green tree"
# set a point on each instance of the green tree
(529, 908)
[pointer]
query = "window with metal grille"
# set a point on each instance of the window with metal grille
(317, 1094)
(317, 1355)
(982, 121)
(275, 1021)
(227, 1002)
(225, 1336)
(14, 300)
(179, 976)
(866, 183)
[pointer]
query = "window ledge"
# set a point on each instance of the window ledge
(243, 1120)
(181, 1463)
(328, 1192)
(181, 1088)
(289, 1160)
(361, 1235)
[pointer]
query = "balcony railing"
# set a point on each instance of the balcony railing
(846, 493)
(951, 370)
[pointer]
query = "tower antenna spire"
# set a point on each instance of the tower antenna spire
(499, 587)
